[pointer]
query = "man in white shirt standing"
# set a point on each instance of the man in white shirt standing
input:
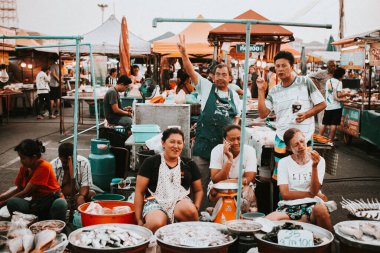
(295, 101)
(43, 89)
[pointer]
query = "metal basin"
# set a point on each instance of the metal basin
(269, 247)
(172, 247)
(349, 244)
(141, 247)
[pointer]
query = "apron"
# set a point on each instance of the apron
(218, 113)
(169, 189)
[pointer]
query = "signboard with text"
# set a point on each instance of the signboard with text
(374, 54)
(350, 121)
(252, 48)
(353, 58)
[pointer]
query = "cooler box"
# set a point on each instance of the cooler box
(142, 133)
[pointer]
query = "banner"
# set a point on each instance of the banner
(100, 66)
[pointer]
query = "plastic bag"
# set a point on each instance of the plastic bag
(191, 99)
(180, 98)
(154, 143)
(94, 208)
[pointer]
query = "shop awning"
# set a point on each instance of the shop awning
(372, 36)
(196, 41)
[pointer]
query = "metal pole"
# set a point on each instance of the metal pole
(76, 106)
(81, 132)
(236, 21)
(94, 86)
(243, 118)
(42, 37)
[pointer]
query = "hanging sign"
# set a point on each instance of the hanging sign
(252, 48)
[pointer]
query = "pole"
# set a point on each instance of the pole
(243, 118)
(76, 106)
(341, 19)
(94, 87)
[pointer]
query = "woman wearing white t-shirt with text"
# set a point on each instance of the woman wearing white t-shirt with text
(300, 177)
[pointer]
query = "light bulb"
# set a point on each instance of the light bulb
(23, 64)
(30, 66)
(263, 64)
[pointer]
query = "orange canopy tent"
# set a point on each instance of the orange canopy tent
(271, 35)
(289, 48)
(196, 41)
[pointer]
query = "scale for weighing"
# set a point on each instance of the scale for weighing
(226, 205)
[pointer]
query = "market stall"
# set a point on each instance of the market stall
(360, 117)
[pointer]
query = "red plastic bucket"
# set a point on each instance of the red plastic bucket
(94, 219)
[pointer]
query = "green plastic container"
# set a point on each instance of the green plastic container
(108, 196)
(253, 215)
(102, 162)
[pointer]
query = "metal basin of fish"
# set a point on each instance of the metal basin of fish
(243, 226)
(140, 246)
(350, 243)
(194, 236)
(55, 225)
(269, 247)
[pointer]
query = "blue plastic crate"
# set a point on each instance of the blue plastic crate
(142, 133)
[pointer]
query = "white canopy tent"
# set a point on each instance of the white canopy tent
(325, 56)
(105, 40)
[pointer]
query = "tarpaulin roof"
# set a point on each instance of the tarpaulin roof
(105, 40)
(263, 33)
(195, 37)
(373, 36)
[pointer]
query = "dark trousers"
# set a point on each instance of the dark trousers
(43, 102)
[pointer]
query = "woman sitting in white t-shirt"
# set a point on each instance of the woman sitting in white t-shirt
(224, 162)
(300, 176)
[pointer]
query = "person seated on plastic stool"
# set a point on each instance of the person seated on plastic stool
(224, 164)
(84, 188)
(35, 179)
(300, 177)
(113, 112)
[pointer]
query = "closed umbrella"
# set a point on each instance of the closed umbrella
(303, 62)
(125, 57)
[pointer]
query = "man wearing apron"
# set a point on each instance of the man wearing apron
(220, 107)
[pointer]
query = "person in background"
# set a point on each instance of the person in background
(333, 111)
(220, 106)
(183, 82)
(55, 87)
(136, 76)
(43, 89)
(35, 179)
(165, 180)
(320, 78)
(113, 112)
(225, 158)
(83, 177)
(300, 175)
(272, 78)
(295, 101)
(148, 72)
(111, 80)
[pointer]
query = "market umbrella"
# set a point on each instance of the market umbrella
(330, 46)
(303, 61)
(125, 57)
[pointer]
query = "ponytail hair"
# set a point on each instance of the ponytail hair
(30, 148)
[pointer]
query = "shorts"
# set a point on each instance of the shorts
(297, 211)
(332, 117)
(151, 205)
(54, 93)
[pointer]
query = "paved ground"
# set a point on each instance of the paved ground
(358, 173)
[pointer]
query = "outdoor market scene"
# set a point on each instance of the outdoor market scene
(209, 126)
